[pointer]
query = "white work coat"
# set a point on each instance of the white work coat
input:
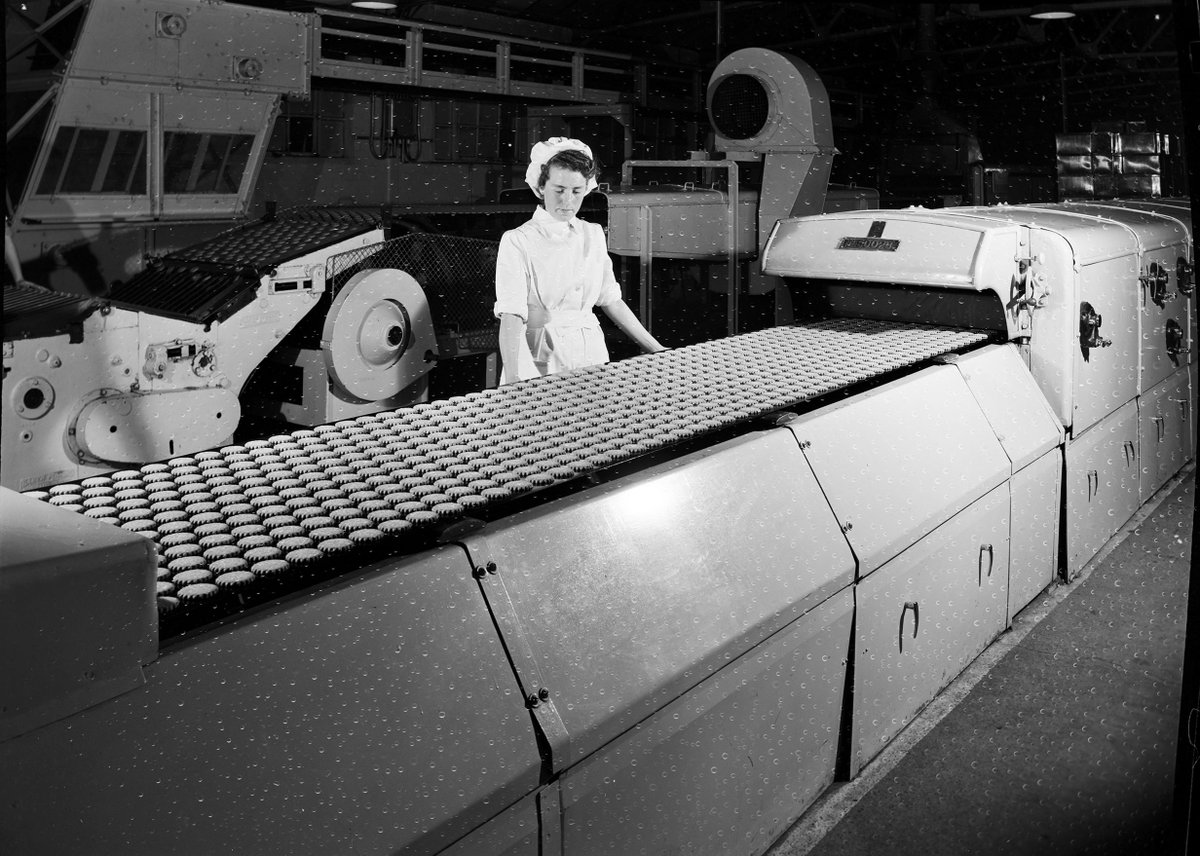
(552, 274)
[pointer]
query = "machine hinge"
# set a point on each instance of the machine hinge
(1030, 293)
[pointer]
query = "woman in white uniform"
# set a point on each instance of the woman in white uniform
(554, 269)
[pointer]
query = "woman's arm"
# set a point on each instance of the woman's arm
(629, 324)
(512, 340)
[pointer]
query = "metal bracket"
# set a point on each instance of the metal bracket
(554, 741)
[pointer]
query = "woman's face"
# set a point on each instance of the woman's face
(563, 193)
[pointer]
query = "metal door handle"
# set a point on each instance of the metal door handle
(986, 548)
(916, 611)
(1184, 273)
(1158, 426)
(1183, 407)
(1092, 493)
(1131, 452)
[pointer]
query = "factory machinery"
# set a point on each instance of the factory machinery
(653, 606)
(303, 305)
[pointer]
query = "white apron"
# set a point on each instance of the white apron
(563, 339)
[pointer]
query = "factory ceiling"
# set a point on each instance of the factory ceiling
(1113, 38)
(1110, 57)
(994, 68)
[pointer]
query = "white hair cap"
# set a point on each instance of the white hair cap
(542, 152)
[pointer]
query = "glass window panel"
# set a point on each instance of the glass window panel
(204, 163)
(127, 169)
(236, 161)
(84, 161)
(179, 155)
(215, 147)
(56, 160)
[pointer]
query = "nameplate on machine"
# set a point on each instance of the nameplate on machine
(888, 245)
(873, 241)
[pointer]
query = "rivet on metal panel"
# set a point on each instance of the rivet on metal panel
(806, 444)
(543, 693)
(846, 527)
(480, 573)
(532, 701)
(491, 567)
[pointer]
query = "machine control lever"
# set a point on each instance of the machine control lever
(1089, 329)
(916, 611)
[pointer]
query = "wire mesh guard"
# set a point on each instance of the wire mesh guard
(457, 274)
(214, 279)
(247, 523)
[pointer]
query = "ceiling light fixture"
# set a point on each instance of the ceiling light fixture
(373, 5)
(1052, 12)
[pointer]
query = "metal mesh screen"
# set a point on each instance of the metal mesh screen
(457, 274)
(739, 107)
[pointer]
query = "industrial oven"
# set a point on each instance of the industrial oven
(653, 606)
(649, 605)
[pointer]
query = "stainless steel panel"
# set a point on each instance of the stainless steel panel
(195, 43)
(1166, 428)
(730, 765)
(515, 831)
(1055, 325)
(1010, 399)
(1166, 331)
(1101, 484)
(77, 613)
(1192, 409)
(923, 617)
(1106, 377)
(1033, 544)
(1162, 236)
(1090, 240)
(377, 715)
(688, 224)
(900, 460)
(633, 592)
(816, 247)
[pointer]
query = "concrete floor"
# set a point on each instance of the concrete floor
(1064, 745)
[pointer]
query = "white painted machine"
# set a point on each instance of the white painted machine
(1098, 295)
(160, 368)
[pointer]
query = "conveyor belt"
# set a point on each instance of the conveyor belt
(215, 278)
(31, 312)
(250, 521)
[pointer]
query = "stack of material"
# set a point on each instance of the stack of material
(1118, 159)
